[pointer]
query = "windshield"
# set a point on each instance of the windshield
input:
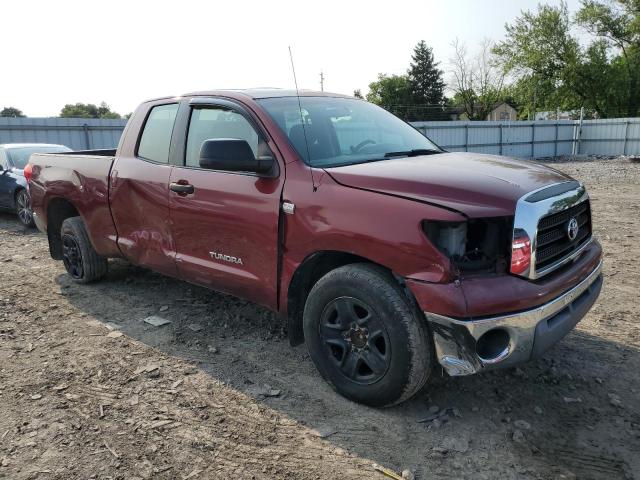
(19, 156)
(344, 131)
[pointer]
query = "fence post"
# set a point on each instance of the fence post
(87, 138)
(466, 137)
(555, 141)
(580, 130)
(626, 137)
(533, 140)
(500, 138)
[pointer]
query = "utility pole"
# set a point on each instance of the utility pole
(321, 81)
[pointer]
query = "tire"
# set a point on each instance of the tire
(23, 208)
(80, 259)
(365, 336)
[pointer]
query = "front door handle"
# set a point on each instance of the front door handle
(181, 188)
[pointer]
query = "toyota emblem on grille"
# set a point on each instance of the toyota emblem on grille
(572, 229)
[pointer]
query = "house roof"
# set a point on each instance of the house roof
(497, 104)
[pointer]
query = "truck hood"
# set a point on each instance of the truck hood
(474, 184)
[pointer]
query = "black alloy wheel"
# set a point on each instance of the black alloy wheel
(356, 340)
(366, 336)
(72, 257)
(82, 262)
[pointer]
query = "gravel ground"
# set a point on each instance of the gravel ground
(89, 390)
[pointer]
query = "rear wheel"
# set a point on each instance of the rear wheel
(82, 262)
(365, 336)
(23, 208)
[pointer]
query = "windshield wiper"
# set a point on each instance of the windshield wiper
(412, 153)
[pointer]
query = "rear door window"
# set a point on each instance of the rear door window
(156, 136)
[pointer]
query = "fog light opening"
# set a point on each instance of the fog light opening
(494, 346)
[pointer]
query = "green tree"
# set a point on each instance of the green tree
(542, 55)
(11, 112)
(426, 84)
(88, 110)
(603, 82)
(392, 92)
(552, 70)
(357, 93)
(617, 24)
(425, 78)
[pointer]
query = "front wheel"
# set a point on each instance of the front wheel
(365, 336)
(23, 209)
(82, 262)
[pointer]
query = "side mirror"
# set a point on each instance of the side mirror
(233, 155)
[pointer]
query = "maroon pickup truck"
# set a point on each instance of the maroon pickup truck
(385, 254)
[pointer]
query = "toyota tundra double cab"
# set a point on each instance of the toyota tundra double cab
(385, 254)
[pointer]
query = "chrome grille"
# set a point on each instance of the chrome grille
(553, 243)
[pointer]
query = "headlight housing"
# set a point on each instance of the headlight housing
(475, 245)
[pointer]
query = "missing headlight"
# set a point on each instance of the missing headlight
(477, 245)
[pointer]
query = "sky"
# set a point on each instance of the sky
(56, 52)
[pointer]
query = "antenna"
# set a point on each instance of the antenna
(321, 81)
(304, 128)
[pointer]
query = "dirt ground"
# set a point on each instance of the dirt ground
(89, 390)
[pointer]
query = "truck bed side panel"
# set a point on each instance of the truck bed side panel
(83, 181)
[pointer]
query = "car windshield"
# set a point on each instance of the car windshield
(19, 156)
(344, 131)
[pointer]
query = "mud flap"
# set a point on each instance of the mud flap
(295, 331)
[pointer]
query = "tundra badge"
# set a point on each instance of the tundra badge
(226, 258)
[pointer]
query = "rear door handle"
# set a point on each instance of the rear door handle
(181, 188)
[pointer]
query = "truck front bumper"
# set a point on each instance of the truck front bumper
(464, 347)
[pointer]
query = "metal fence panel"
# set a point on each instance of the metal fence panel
(605, 137)
(632, 145)
(542, 138)
(567, 131)
(75, 133)
(449, 133)
(537, 139)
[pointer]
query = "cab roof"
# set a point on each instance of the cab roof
(256, 93)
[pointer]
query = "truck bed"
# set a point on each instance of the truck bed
(106, 152)
(81, 180)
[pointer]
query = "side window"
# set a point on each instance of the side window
(209, 123)
(156, 136)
